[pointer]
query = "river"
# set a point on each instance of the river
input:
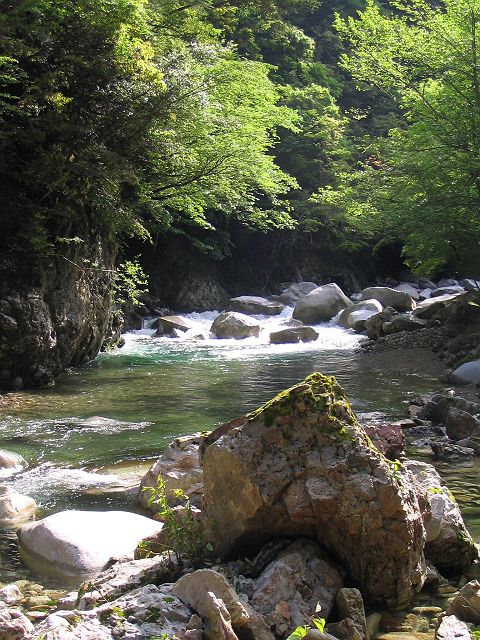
(156, 388)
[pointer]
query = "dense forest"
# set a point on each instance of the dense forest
(356, 122)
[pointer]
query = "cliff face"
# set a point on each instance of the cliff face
(56, 315)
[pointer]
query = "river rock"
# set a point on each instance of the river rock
(293, 335)
(388, 437)
(296, 290)
(254, 305)
(374, 324)
(402, 323)
(195, 590)
(350, 605)
(451, 452)
(10, 594)
(451, 628)
(372, 306)
(461, 424)
(466, 604)
(10, 463)
(467, 373)
(448, 544)
(471, 285)
(447, 291)
(147, 612)
(167, 325)
(279, 593)
(425, 294)
(302, 465)
(179, 465)
(78, 544)
(234, 325)
(399, 300)
(14, 625)
(406, 287)
(321, 304)
(14, 506)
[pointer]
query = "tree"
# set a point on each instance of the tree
(422, 183)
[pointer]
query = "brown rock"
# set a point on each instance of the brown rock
(389, 439)
(466, 605)
(350, 605)
(302, 465)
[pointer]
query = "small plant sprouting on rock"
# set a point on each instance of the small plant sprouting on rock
(301, 632)
(183, 535)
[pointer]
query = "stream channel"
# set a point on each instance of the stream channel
(156, 388)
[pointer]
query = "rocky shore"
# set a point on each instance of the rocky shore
(292, 511)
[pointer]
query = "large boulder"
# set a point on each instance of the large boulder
(372, 306)
(374, 324)
(254, 305)
(296, 290)
(321, 304)
(234, 325)
(279, 593)
(402, 323)
(448, 545)
(399, 300)
(167, 325)
(78, 544)
(467, 373)
(301, 465)
(466, 604)
(293, 335)
(179, 466)
(406, 287)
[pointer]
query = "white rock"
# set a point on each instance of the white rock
(373, 306)
(467, 373)
(408, 288)
(73, 544)
(399, 300)
(10, 593)
(471, 285)
(10, 463)
(14, 506)
(321, 304)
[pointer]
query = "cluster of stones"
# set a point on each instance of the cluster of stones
(299, 488)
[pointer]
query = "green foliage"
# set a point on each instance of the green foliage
(130, 282)
(422, 183)
(183, 535)
(301, 631)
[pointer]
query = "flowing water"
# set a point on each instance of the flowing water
(100, 427)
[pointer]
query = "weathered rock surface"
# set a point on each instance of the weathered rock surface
(147, 612)
(14, 625)
(399, 300)
(296, 290)
(234, 325)
(374, 324)
(301, 465)
(350, 605)
(60, 322)
(10, 593)
(14, 506)
(254, 305)
(293, 335)
(166, 325)
(372, 306)
(466, 604)
(321, 304)
(179, 465)
(200, 291)
(451, 452)
(289, 589)
(461, 424)
(451, 628)
(467, 373)
(72, 544)
(196, 590)
(388, 437)
(402, 323)
(406, 287)
(448, 544)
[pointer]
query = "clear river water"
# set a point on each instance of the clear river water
(156, 388)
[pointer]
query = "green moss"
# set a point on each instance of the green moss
(317, 393)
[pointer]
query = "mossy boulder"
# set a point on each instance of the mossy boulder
(301, 465)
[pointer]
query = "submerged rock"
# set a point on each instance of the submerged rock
(234, 325)
(301, 465)
(321, 304)
(78, 544)
(167, 325)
